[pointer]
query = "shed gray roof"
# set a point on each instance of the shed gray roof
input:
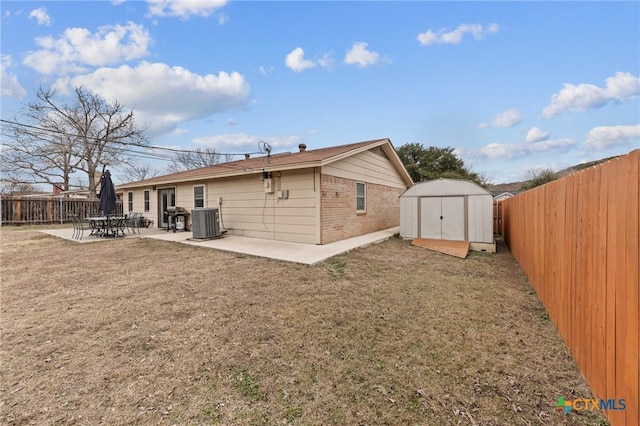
(444, 187)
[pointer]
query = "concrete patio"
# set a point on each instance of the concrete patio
(307, 254)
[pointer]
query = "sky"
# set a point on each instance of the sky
(512, 86)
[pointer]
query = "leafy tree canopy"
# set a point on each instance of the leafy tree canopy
(435, 162)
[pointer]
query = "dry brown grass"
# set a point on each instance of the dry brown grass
(148, 332)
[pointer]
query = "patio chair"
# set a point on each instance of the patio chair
(120, 225)
(78, 227)
(134, 222)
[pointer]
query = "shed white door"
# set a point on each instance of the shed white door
(442, 218)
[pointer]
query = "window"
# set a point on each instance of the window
(198, 196)
(361, 204)
(130, 200)
(146, 200)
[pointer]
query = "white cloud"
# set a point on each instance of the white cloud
(41, 16)
(295, 60)
(508, 118)
(441, 36)
(78, 48)
(536, 135)
(184, 9)
(359, 55)
(603, 137)
(223, 19)
(501, 150)
(621, 87)
(117, 2)
(164, 96)
(178, 132)
(9, 85)
(514, 150)
(242, 142)
(326, 61)
(264, 71)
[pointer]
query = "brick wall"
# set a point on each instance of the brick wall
(338, 216)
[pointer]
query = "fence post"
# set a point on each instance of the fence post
(61, 218)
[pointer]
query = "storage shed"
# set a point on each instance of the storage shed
(448, 209)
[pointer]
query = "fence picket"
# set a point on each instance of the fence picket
(577, 240)
(32, 211)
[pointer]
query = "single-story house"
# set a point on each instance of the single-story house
(502, 196)
(312, 196)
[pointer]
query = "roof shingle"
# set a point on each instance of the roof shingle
(281, 161)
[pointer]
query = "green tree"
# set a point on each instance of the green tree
(535, 178)
(434, 162)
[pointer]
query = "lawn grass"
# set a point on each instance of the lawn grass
(138, 331)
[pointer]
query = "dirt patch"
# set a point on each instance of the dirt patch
(151, 332)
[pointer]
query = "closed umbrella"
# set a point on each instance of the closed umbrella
(107, 194)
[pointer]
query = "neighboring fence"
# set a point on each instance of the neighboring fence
(30, 211)
(577, 241)
(497, 217)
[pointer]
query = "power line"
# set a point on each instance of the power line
(139, 145)
(126, 149)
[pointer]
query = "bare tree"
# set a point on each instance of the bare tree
(199, 157)
(537, 177)
(55, 139)
(16, 188)
(484, 179)
(134, 172)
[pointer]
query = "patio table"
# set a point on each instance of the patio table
(107, 226)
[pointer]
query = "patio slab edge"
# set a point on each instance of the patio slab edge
(307, 254)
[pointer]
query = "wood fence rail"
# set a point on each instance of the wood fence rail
(577, 240)
(30, 211)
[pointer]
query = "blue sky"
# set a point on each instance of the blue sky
(511, 85)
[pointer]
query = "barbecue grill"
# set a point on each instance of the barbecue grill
(177, 219)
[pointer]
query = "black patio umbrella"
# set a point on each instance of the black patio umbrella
(107, 194)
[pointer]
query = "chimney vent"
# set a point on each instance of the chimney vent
(247, 156)
(302, 147)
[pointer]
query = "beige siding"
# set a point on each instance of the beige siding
(366, 167)
(184, 194)
(248, 211)
(138, 201)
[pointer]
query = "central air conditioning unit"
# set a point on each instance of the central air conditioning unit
(268, 186)
(204, 223)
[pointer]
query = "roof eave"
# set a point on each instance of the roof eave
(243, 172)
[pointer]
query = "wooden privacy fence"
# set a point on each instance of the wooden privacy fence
(576, 239)
(30, 211)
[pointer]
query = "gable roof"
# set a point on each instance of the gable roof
(276, 162)
(508, 194)
(445, 187)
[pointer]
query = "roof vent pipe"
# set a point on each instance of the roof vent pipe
(302, 147)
